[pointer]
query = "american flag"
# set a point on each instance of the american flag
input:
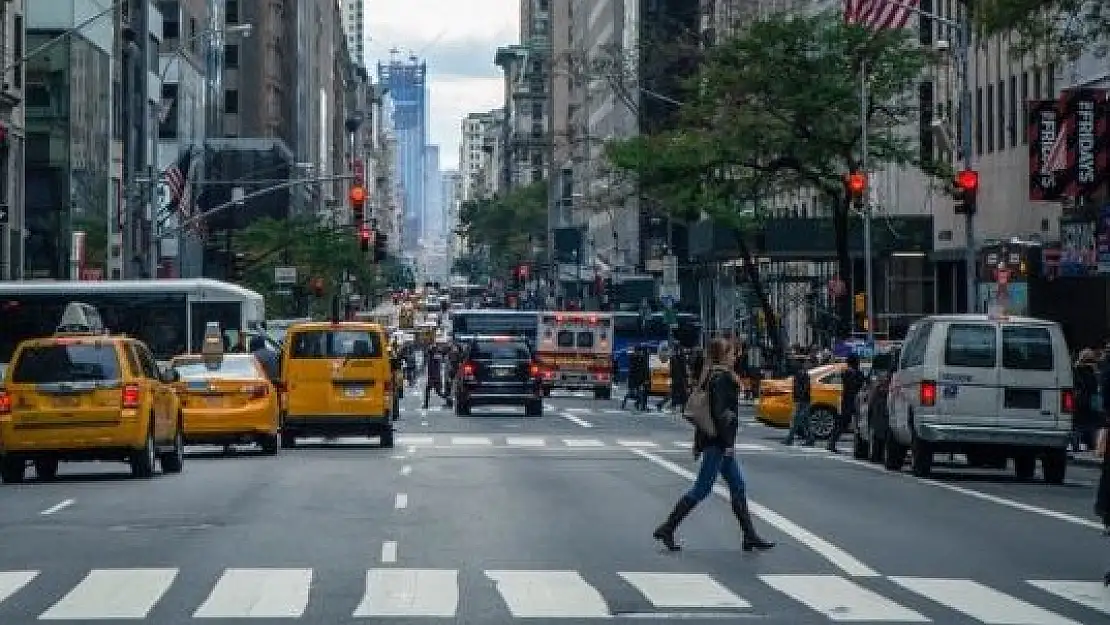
(178, 177)
(879, 14)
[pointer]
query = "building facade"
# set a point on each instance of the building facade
(354, 28)
(480, 153)
(13, 45)
(406, 80)
(432, 221)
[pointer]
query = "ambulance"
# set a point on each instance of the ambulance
(575, 351)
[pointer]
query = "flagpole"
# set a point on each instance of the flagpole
(869, 305)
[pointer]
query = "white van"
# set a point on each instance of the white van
(989, 387)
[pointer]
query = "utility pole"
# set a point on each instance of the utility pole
(964, 52)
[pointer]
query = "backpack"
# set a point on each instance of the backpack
(699, 408)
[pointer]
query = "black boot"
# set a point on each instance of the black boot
(665, 532)
(752, 541)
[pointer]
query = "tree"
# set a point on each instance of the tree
(506, 226)
(777, 108)
(1062, 29)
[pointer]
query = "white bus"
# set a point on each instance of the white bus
(168, 315)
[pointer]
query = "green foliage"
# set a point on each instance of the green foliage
(506, 226)
(316, 250)
(1059, 29)
(779, 109)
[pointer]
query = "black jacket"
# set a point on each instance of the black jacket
(723, 399)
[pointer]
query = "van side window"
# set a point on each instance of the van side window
(913, 354)
(1027, 348)
(971, 345)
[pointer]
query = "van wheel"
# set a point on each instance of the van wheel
(46, 468)
(860, 447)
(269, 444)
(173, 461)
(387, 438)
(894, 455)
(922, 457)
(142, 460)
(12, 470)
(1054, 465)
(603, 393)
(876, 447)
(1025, 465)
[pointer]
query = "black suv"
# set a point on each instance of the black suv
(498, 370)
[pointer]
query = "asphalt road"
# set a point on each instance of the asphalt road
(498, 517)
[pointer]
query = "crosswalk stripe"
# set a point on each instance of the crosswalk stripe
(403, 593)
(684, 444)
(549, 594)
(258, 593)
(980, 602)
(637, 444)
(525, 441)
(578, 410)
(12, 582)
(113, 594)
(612, 411)
(684, 590)
(582, 442)
(1093, 595)
(752, 447)
(409, 439)
(471, 440)
(840, 599)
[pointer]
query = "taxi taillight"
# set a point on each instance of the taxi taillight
(131, 396)
(5, 403)
(468, 370)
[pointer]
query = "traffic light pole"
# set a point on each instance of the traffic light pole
(868, 268)
(964, 53)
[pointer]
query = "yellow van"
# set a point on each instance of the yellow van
(337, 381)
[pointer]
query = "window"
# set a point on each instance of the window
(17, 51)
(979, 120)
(1050, 81)
(57, 362)
(332, 344)
(231, 56)
(1024, 105)
(970, 345)
(499, 351)
(1037, 93)
(1002, 114)
(171, 19)
(565, 338)
(913, 354)
(1014, 121)
(833, 379)
(1027, 348)
(231, 101)
(988, 112)
(231, 12)
(167, 126)
(586, 339)
(231, 366)
(146, 361)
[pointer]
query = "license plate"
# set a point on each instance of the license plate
(67, 402)
(354, 392)
(502, 373)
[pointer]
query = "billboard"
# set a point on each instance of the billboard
(1068, 145)
(1044, 133)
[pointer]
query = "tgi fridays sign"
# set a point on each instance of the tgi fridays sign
(1068, 155)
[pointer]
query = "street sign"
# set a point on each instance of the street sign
(285, 275)
(4, 214)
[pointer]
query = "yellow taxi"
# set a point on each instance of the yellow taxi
(84, 394)
(227, 399)
(775, 404)
(659, 366)
(337, 381)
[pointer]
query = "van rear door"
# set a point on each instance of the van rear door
(968, 385)
(1030, 393)
(337, 371)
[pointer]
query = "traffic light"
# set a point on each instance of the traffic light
(238, 266)
(967, 187)
(357, 196)
(317, 286)
(379, 246)
(364, 238)
(855, 186)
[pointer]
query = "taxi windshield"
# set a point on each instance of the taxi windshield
(336, 344)
(231, 367)
(58, 362)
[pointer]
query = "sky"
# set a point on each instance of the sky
(458, 38)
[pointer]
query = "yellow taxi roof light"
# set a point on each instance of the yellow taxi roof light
(80, 318)
(212, 350)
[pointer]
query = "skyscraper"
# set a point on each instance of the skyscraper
(406, 81)
(431, 218)
(355, 29)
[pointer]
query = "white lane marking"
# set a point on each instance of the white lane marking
(684, 444)
(643, 444)
(401, 501)
(752, 447)
(684, 590)
(113, 594)
(578, 410)
(549, 407)
(411, 449)
(582, 442)
(258, 593)
(409, 439)
(612, 411)
(403, 593)
(398, 457)
(525, 441)
(58, 507)
(579, 421)
(549, 594)
(389, 552)
(471, 440)
(980, 602)
(1093, 595)
(995, 499)
(406, 470)
(835, 555)
(12, 581)
(839, 599)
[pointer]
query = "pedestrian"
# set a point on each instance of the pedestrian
(852, 383)
(1102, 497)
(717, 452)
(434, 379)
(1086, 421)
(678, 373)
(799, 421)
(635, 375)
(644, 388)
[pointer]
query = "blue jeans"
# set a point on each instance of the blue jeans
(714, 461)
(799, 424)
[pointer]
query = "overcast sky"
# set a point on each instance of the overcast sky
(458, 38)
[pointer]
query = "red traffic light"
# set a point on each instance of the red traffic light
(364, 233)
(967, 180)
(357, 195)
(856, 183)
